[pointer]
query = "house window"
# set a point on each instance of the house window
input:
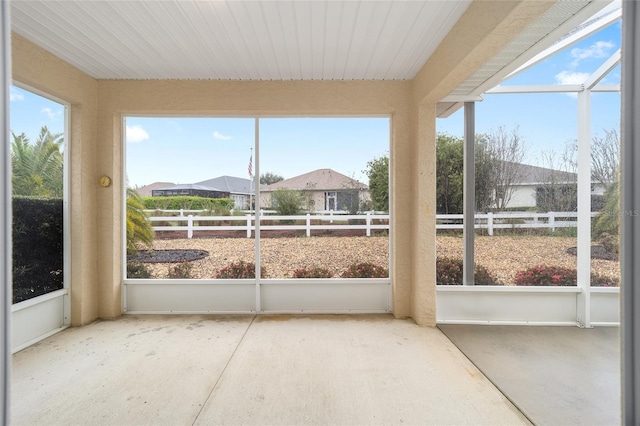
(327, 172)
(40, 200)
(330, 199)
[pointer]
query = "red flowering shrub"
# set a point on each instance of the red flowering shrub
(365, 270)
(546, 275)
(181, 270)
(558, 276)
(604, 281)
(449, 272)
(312, 272)
(241, 269)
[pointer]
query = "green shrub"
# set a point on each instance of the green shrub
(609, 242)
(137, 270)
(241, 269)
(609, 220)
(449, 272)
(181, 270)
(365, 270)
(189, 203)
(558, 276)
(312, 272)
(37, 246)
(286, 202)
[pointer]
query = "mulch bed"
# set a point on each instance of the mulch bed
(167, 256)
(597, 252)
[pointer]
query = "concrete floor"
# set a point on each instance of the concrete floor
(554, 375)
(285, 370)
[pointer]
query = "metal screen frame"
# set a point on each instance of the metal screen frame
(630, 214)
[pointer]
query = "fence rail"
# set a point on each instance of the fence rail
(367, 222)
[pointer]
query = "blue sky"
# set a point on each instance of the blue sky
(547, 121)
(188, 150)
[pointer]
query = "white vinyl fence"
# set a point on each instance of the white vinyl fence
(339, 220)
(512, 220)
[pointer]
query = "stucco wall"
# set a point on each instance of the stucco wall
(37, 69)
(317, 98)
(522, 196)
(96, 145)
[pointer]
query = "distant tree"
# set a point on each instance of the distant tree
(557, 190)
(449, 174)
(503, 153)
(378, 173)
(484, 175)
(605, 158)
(269, 178)
(557, 193)
(286, 202)
(37, 169)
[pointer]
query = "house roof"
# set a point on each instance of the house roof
(317, 180)
(145, 191)
(529, 175)
(190, 186)
(231, 184)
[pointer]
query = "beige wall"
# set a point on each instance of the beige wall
(118, 98)
(39, 70)
(96, 145)
(482, 31)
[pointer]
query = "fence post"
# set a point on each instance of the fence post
(552, 221)
(490, 223)
(368, 224)
(308, 224)
(181, 212)
(249, 226)
(331, 214)
(190, 226)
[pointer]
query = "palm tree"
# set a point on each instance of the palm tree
(37, 168)
(139, 228)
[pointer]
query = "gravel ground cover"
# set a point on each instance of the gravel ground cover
(502, 255)
(506, 255)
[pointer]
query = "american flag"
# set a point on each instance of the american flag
(250, 167)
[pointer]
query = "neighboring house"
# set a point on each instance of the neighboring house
(533, 183)
(190, 189)
(240, 189)
(323, 189)
(145, 191)
(529, 180)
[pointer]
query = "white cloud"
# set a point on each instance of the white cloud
(15, 96)
(51, 114)
(599, 49)
(136, 134)
(220, 136)
(569, 77)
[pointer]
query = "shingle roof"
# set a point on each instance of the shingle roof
(317, 180)
(528, 174)
(145, 191)
(233, 185)
(190, 186)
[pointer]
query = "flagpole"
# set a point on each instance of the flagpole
(250, 180)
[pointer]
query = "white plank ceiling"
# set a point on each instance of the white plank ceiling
(275, 39)
(239, 40)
